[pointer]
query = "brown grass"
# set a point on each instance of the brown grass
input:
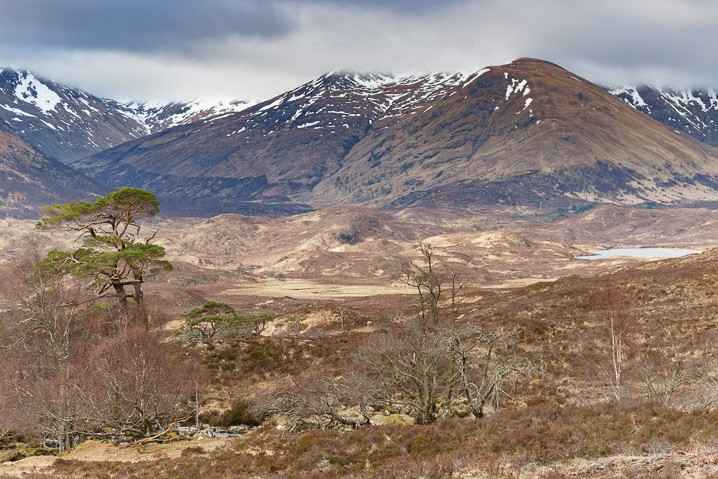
(496, 445)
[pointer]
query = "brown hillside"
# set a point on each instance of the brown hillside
(488, 142)
(30, 180)
(526, 133)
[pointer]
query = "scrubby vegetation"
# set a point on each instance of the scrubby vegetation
(219, 319)
(502, 446)
(75, 367)
(451, 382)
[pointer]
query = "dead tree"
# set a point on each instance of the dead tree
(435, 359)
(615, 324)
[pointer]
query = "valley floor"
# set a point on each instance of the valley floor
(331, 280)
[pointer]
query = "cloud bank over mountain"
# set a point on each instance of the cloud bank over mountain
(256, 48)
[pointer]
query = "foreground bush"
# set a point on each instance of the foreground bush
(498, 446)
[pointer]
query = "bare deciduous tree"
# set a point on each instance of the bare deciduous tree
(46, 340)
(139, 384)
(433, 361)
(485, 367)
(412, 369)
(343, 318)
(664, 371)
(428, 283)
(8, 422)
(68, 373)
(615, 323)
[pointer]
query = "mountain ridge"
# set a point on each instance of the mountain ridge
(68, 123)
(30, 180)
(691, 111)
(529, 132)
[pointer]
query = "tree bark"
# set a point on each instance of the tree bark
(139, 297)
(122, 300)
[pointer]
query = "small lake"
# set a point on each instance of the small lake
(653, 253)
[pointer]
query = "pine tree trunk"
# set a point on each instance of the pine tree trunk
(122, 300)
(139, 297)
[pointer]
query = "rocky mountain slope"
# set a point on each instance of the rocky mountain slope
(30, 180)
(526, 133)
(694, 112)
(67, 123)
(274, 153)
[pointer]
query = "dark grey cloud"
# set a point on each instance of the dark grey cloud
(408, 7)
(161, 25)
(136, 25)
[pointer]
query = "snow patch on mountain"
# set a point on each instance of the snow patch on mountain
(353, 100)
(155, 116)
(372, 82)
(17, 111)
(31, 90)
(690, 111)
(516, 86)
(473, 76)
(349, 100)
(630, 95)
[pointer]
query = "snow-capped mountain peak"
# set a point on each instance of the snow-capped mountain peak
(339, 97)
(67, 123)
(156, 116)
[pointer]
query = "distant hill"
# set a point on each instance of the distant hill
(30, 180)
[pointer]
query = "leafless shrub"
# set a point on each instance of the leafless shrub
(314, 401)
(665, 372)
(70, 371)
(139, 384)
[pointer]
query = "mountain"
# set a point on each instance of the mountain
(272, 154)
(30, 180)
(67, 123)
(694, 111)
(528, 133)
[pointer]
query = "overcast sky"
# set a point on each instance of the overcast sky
(255, 49)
